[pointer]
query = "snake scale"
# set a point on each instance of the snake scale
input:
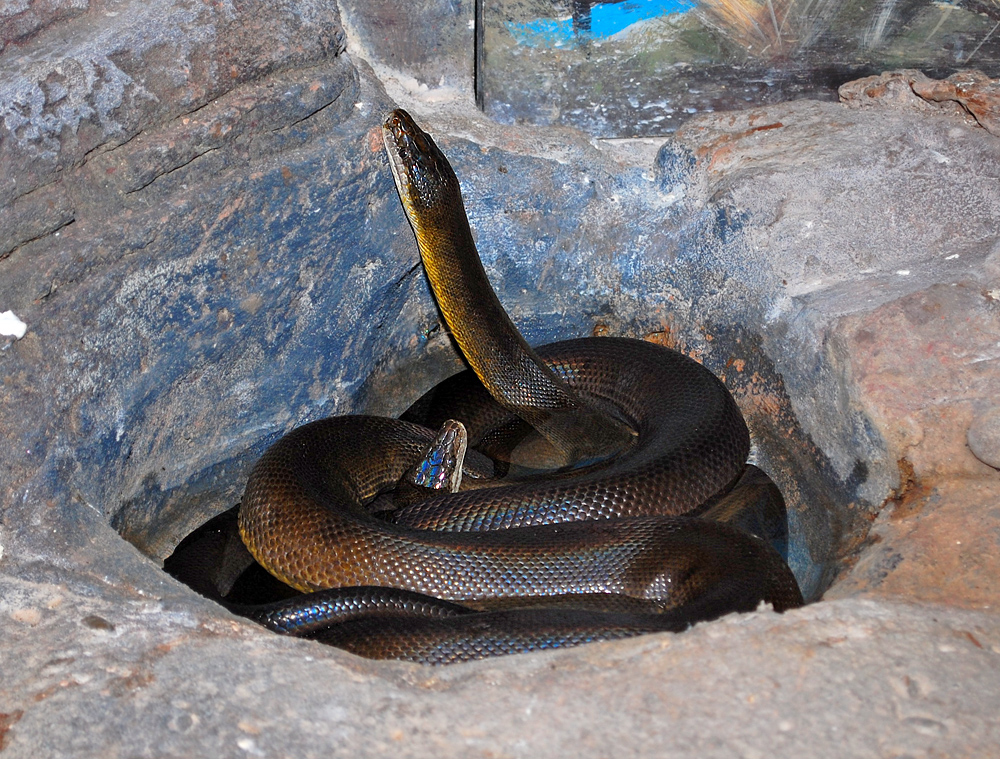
(630, 523)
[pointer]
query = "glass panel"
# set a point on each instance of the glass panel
(638, 67)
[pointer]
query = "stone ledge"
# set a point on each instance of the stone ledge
(854, 678)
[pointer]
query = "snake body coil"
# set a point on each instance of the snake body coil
(639, 438)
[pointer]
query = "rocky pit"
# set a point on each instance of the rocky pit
(199, 230)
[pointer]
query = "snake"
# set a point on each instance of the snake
(614, 476)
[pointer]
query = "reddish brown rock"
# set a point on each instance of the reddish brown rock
(925, 366)
(970, 95)
(937, 543)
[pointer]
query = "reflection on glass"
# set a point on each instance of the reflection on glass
(634, 67)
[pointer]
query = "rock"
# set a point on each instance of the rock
(845, 237)
(970, 94)
(122, 67)
(936, 543)
(921, 364)
(424, 43)
(204, 270)
(984, 437)
(881, 677)
(973, 90)
(19, 20)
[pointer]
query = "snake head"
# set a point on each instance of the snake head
(425, 180)
(440, 467)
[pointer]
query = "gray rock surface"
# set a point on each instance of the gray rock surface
(70, 89)
(206, 268)
(853, 678)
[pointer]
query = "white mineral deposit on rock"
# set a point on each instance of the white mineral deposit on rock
(11, 326)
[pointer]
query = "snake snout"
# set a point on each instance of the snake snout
(422, 173)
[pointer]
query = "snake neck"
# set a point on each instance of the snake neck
(504, 362)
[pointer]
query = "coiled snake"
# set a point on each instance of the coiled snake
(625, 532)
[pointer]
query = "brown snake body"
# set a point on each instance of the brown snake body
(639, 436)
